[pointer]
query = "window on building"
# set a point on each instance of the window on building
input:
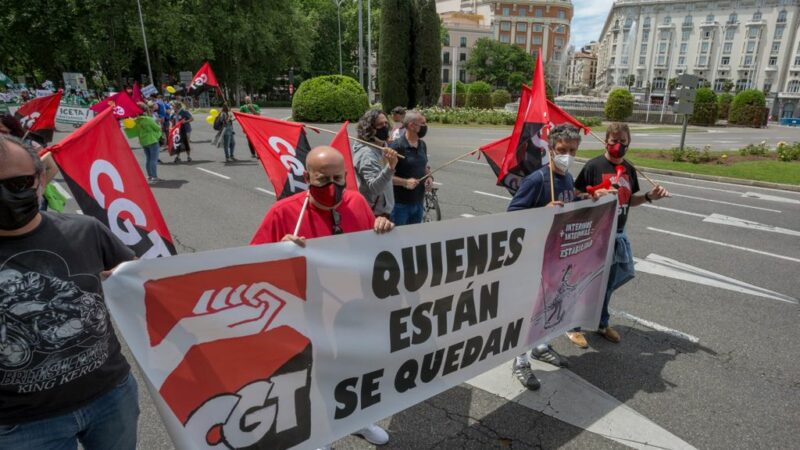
(773, 60)
(463, 56)
(646, 35)
(730, 33)
(506, 12)
(624, 59)
(505, 26)
(522, 12)
(646, 22)
(704, 47)
(537, 40)
(779, 32)
(562, 14)
(685, 35)
(446, 76)
(752, 33)
(742, 84)
(661, 60)
(776, 48)
(702, 60)
(642, 60)
(662, 47)
(756, 16)
(522, 27)
(793, 86)
(684, 47)
(520, 39)
(667, 20)
(681, 60)
(719, 84)
(726, 48)
(797, 60)
(733, 18)
(462, 76)
(707, 34)
(725, 60)
(560, 29)
(751, 46)
(538, 13)
(687, 20)
(463, 41)
(538, 28)
(613, 49)
(659, 84)
(748, 60)
(505, 39)
(447, 40)
(558, 41)
(446, 58)
(643, 49)
(782, 16)
(612, 60)
(710, 18)
(665, 35)
(628, 22)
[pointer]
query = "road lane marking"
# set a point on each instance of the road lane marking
(492, 195)
(471, 162)
(61, 189)
(467, 215)
(214, 173)
(670, 268)
(265, 191)
(771, 198)
(739, 186)
(677, 211)
(723, 244)
(436, 183)
(656, 326)
(569, 398)
(725, 203)
(727, 191)
(78, 211)
(742, 223)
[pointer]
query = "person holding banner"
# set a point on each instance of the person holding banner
(185, 117)
(375, 167)
(65, 378)
(597, 171)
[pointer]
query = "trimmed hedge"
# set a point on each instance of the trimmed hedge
(479, 95)
(619, 105)
(461, 95)
(747, 108)
(329, 98)
(705, 108)
(724, 101)
(500, 98)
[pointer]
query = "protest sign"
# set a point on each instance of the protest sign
(75, 115)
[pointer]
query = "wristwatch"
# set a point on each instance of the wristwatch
(647, 197)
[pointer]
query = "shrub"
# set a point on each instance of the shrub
(464, 116)
(760, 149)
(500, 98)
(329, 98)
(479, 95)
(747, 108)
(619, 105)
(705, 108)
(590, 121)
(461, 95)
(724, 105)
(787, 152)
(692, 155)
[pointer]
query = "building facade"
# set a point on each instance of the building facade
(582, 70)
(741, 44)
(463, 31)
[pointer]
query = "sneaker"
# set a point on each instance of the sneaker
(550, 356)
(160, 161)
(610, 334)
(189, 159)
(176, 160)
(227, 160)
(233, 159)
(373, 434)
(578, 338)
(525, 376)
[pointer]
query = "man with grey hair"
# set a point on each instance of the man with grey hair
(409, 193)
(65, 379)
(534, 192)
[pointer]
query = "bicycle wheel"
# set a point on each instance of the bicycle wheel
(432, 211)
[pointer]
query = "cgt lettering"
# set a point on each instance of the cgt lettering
(288, 157)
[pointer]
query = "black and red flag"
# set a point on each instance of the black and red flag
(121, 104)
(282, 147)
(560, 117)
(38, 116)
(203, 79)
(527, 149)
(108, 184)
(174, 138)
(341, 142)
(495, 152)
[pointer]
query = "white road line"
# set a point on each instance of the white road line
(737, 247)
(678, 211)
(471, 162)
(265, 191)
(742, 223)
(655, 326)
(436, 183)
(78, 211)
(492, 195)
(214, 173)
(727, 191)
(726, 203)
(771, 198)
(61, 189)
(467, 215)
(732, 185)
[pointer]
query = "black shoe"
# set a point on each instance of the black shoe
(550, 356)
(525, 376)
(189, 159)
(176, 160)
(233, 159)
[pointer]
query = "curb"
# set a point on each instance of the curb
(696, 176)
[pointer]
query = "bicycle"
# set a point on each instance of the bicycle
(431, 210)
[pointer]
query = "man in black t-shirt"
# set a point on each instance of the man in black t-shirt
(409, 193)
(601, 171)
(63, 378)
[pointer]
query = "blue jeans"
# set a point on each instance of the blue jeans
(228, 144)
(407, 213)
(151, 159)
(108, 422)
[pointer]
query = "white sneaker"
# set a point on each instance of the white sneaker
(373, 434)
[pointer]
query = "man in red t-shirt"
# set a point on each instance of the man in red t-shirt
(331, 209)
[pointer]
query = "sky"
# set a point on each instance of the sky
(590, 15)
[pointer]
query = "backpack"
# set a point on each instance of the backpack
(219, 122)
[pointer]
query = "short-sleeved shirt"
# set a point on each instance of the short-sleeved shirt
(597, 170)
(412, 165)
(250, 108)
(534, 191)
(281, 219)
(61, 352)
(185, 116)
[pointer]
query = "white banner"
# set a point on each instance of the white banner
(73, 114)
(149, 90)
(277, 346)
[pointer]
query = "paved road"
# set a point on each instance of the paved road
(709, 356)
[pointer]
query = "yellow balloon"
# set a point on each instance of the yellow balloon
(210, 120)
(213, 112)
(129, 123)
(170, 89)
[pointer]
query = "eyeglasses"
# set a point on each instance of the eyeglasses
(336, 219)
(19, 184)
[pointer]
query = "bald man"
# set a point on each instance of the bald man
(332, 209)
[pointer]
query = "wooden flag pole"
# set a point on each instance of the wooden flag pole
(452, 161)
(351, 137)
(552, 184)
(602, 141)
(300, 219)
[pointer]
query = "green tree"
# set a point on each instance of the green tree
(500, 98)
(619, 105)
(705, 108)
(394, 57)
(724, 104)
(479, 95)
(748, 108)
(501, 65)
(426, 55)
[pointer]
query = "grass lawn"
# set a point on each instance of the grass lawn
(762, 170)
(676, 129)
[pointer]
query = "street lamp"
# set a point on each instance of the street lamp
(144, 37)
(338, 4)
(563, 54)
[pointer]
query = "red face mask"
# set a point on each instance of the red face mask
(617, 150)
(328, 195)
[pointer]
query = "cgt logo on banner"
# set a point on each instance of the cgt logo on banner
(200, 81)
(275, 346)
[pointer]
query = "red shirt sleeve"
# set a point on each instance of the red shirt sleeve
(268, 230)
(365, 219)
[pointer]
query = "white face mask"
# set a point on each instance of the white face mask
(563, 162)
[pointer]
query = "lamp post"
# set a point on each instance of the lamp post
(360, 45)
(144, 37)
(563, 54)
(338, 4)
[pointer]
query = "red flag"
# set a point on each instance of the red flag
(123, 106)
(495, 152)
(108, 184)
(282, 147)
(137, 93)
(204, 78)
(341, 142)
(527, 149)
(38, 116)
(560, 117)
(174, 138)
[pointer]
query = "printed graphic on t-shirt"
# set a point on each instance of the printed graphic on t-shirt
(54, 327)
(624, 191)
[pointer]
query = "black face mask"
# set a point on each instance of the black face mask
(382, 133)
(17, 209)
(423, 130)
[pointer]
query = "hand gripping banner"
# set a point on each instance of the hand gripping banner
(108, 184)
(277, 346)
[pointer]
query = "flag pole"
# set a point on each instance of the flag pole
(300, 219)
(552, 183)
(452, 161)
(351, 137)
(602, 141)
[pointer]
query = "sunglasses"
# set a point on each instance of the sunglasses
(336, 219)
(20, 184)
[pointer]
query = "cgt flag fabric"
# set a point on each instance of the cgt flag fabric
(38, 116)
(494, 153)
(341, 142)
(277, 347)
(560, 117)
(137, 93)
(203, 79)
(108, 184)
(174, 138)
(282, 147)
(122, 106)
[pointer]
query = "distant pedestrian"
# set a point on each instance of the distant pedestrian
(148, 132)
(182, 114)
(398, 114)
(250, 108)
(228, 141)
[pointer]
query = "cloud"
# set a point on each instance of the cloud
(588, 21)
